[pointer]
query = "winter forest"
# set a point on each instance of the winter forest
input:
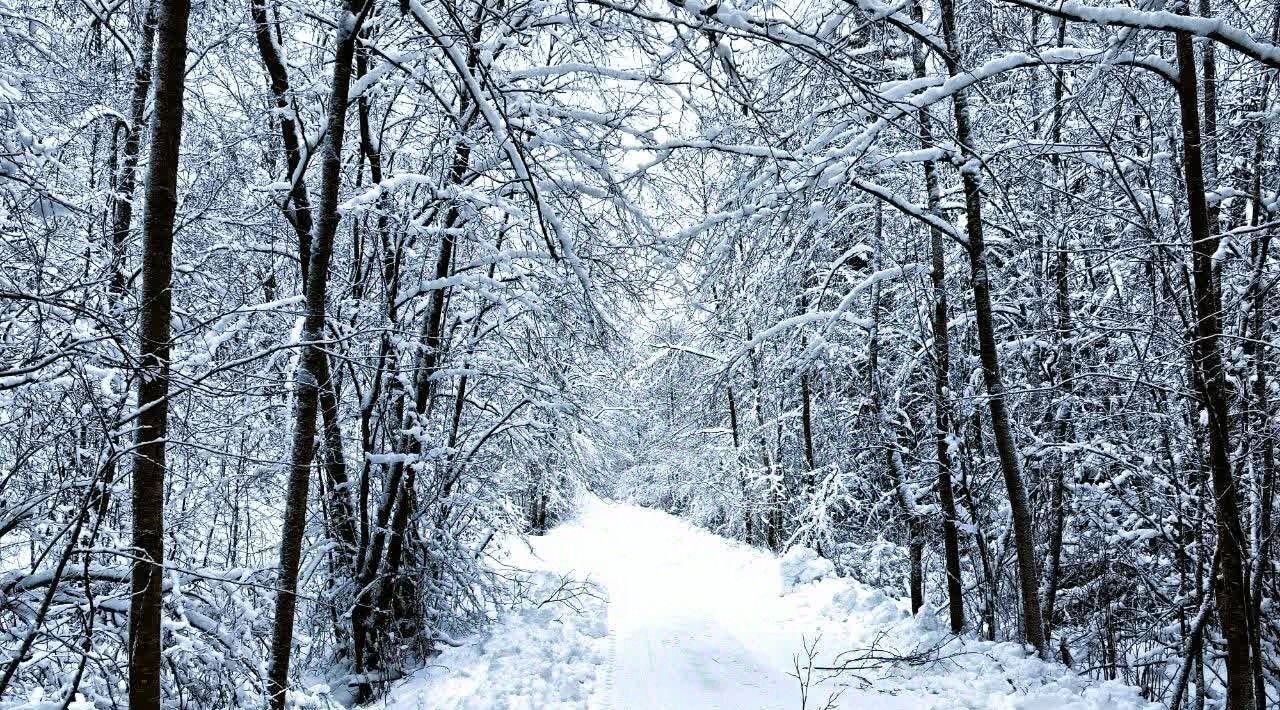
(639, 353)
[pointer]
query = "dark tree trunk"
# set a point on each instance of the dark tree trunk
(1266, 487)
(381, 556)
(1062, 429)
(1261, 405)
(1195, 643)
(747, 526)
(991, 586)
(425, 386)
(341, 516)
(1066, 382)
(1002, 432)
(311, 366)
(1209, 132)
(122, 207)
(806, 427)
(941, 363)
(386, 362)
(1211, 390)
(338, 505)
(806, 430)
(149, 464)
(298, 205)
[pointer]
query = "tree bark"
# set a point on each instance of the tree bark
(122, 206)
(806, 430)
(1265, 487)
(298, 206)
(341, 515)
(941, 362)
(1195, 644)
(311, 365)
(1066, 381)
(747, 527)
(122, 211)
(386, 361)
(149, 463)
(1264, 441)
(1211, 390)
(338, 506)
(1023, 535)
(381, 557)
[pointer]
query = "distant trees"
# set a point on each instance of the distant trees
(1076, 363)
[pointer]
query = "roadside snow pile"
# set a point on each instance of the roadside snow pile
(801, 565)
(882, 648)
(547, 655)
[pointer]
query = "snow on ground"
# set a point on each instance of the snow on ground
(694, 621)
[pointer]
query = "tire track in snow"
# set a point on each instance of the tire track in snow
(605, 695)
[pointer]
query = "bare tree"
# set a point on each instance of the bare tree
(312, 368)
(980, 282)
(149, 463)
(1230, 580)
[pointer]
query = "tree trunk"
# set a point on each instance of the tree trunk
(747, 527)
(1023, 535)
(1211, 391)
(341, 515)
(386, 361)
(298, 205)
(338, 505)
(311, 365)
(381, 557)
(1264, 484)
(149, 464)
(941, 362)
(122, 207)
(1265, 487)
(806, 430)
(122, 210)
(1195, 644)
(1066, 382)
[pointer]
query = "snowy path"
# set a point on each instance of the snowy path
(686, 612)
(695, 622)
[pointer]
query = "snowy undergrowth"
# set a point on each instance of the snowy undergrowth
(547, 652)
(883, 648)
(675, 617)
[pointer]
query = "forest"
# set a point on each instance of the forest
(310, 310)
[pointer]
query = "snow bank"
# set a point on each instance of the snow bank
(881, 647)
(547, 655)
(801, 565)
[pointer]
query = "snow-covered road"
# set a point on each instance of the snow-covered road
(694, 621)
